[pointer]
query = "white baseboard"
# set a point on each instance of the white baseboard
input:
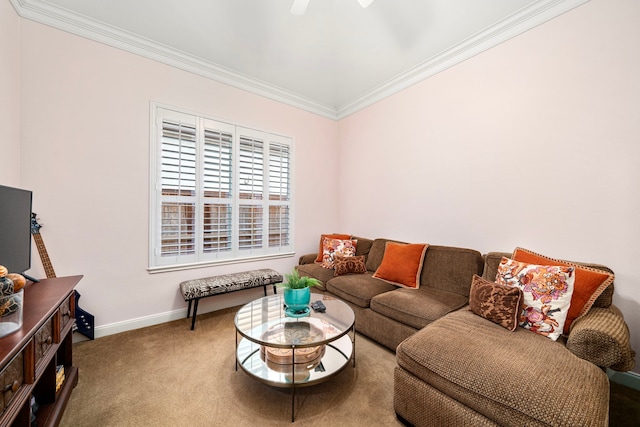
(129, 325)
(140, 322)
(206, 305)
(629, 379)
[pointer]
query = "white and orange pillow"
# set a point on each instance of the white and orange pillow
(546, 290)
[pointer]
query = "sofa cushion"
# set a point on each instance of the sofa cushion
(358, 288)
(450, 268)
(589, 284)
(316, 271)
(416, 307)
(500, 304)
(402, 264)
(506, 376)
(376, 253)
(349, 265)
(491, 263)
(364, 245)
(547, 291)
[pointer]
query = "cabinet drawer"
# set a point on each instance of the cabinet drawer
(11, 379)
(43, 340)
(65, 313)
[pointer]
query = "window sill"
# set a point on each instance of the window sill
(178, 267)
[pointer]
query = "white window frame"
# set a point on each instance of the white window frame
(263, 249)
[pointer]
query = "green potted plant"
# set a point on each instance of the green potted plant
(297, 292)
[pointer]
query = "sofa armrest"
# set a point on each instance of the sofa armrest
(601, 336)
(307, 259)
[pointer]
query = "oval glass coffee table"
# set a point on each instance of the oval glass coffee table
(294, 352)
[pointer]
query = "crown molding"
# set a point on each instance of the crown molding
(515, 24)
(539, 12)
(71, 22)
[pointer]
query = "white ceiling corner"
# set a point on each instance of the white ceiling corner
(335, 60)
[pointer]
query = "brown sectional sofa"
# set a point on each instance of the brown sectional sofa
(456, 368)
(389, 314)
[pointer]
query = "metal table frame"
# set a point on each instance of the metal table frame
(249, 341)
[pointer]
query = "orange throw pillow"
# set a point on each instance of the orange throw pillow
(402, 264)
(588, 286)
(331, 236)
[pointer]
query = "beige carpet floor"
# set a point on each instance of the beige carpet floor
(168, 375)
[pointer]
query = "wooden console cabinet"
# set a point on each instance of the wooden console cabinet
(29, 356)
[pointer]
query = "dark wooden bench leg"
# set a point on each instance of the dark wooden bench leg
(195, 311)
(189, 309)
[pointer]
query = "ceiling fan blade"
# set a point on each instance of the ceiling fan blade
(365, 3)
(299, 7)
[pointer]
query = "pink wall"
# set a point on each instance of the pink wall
(534, 143)
(9, 95)
(86, 125)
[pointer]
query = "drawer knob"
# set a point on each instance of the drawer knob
(13, 387)
(48, 340)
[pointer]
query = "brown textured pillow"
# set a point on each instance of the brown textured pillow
(500, 304)
(348, 264)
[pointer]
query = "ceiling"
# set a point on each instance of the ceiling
(333, 61)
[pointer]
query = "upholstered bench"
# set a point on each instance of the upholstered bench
(194, 290)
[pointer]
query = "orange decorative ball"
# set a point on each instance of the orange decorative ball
(18, 281)
(3, 271)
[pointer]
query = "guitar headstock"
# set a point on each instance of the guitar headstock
(35, 227)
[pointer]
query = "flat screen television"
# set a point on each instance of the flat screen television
(15, 229)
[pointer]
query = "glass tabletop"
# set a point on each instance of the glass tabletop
(264, 322)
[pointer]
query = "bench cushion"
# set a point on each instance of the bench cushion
(200, 288)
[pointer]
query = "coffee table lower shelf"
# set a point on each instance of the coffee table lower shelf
(337, 355)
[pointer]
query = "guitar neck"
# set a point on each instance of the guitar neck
(44, 256)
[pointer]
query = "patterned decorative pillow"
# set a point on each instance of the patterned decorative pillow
(348, 265)
(402, 264)
(547, 291)
(332, 236)
(336, 247)
(589, 284)
(500, 304)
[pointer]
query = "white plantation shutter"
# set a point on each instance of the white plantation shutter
(250, 227)
(219, 192)
(178, 189)
(279, 194)
(279, 167)
(251, 191)
(251, 168)
(217, 182)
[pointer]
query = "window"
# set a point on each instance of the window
(219, 192)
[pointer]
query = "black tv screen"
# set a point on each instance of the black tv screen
(15, 229)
